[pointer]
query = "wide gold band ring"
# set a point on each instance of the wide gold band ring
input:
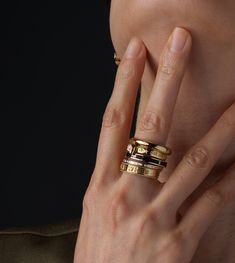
(139, 170)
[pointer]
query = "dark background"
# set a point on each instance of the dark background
(58, 74)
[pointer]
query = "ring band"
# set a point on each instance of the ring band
(156, 151)
(148, 159)
(145, 172)
(160, 148)
(137, 163)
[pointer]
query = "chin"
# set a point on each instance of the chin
(209, 22)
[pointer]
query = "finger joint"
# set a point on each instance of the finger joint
(197, 157)
(215, 197)
(153, 122)
(118, 209)
(113, 117)
(168, 65)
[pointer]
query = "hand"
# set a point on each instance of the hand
(131, 219)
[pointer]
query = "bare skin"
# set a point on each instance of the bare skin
(127, 218)
(207, 90)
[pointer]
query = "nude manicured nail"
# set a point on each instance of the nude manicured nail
(178, 40)
(133, 48)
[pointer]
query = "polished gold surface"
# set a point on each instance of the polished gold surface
(130, 148)
(142, 150)
(142, 142)
(163, 149)
(157, 154)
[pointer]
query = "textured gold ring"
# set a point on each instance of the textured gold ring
(160, 148)
(142, 171)
(142, 164)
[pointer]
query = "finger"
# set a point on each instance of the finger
(204, 211)
(197, 163)
(119, 111)
(154, 124)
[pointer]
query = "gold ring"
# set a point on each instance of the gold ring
(142, 164)
(117, 59)
(145, 158)
(138, 170)
(160, 148)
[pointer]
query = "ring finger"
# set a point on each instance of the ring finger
(154, 124)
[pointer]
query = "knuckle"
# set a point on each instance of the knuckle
(147, 221)
(197, 157)
(155, 215)
(178, 238)
(168, 65)
(127, 70)
(118, 209)
(151, 121)
(86, 203)
(94, 191)
(113, 117)
(90, 199)
(215, 197)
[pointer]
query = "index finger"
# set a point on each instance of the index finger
(118, 115)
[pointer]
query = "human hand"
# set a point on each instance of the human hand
(129, 218)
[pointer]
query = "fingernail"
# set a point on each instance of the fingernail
(133, 48)
(178, 40)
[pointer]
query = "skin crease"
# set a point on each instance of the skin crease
(207, 90)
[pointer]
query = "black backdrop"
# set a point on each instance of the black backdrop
(58, 75)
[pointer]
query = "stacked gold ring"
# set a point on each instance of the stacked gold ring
(145, 158)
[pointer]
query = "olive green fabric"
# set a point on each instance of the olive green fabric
(41, 244)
